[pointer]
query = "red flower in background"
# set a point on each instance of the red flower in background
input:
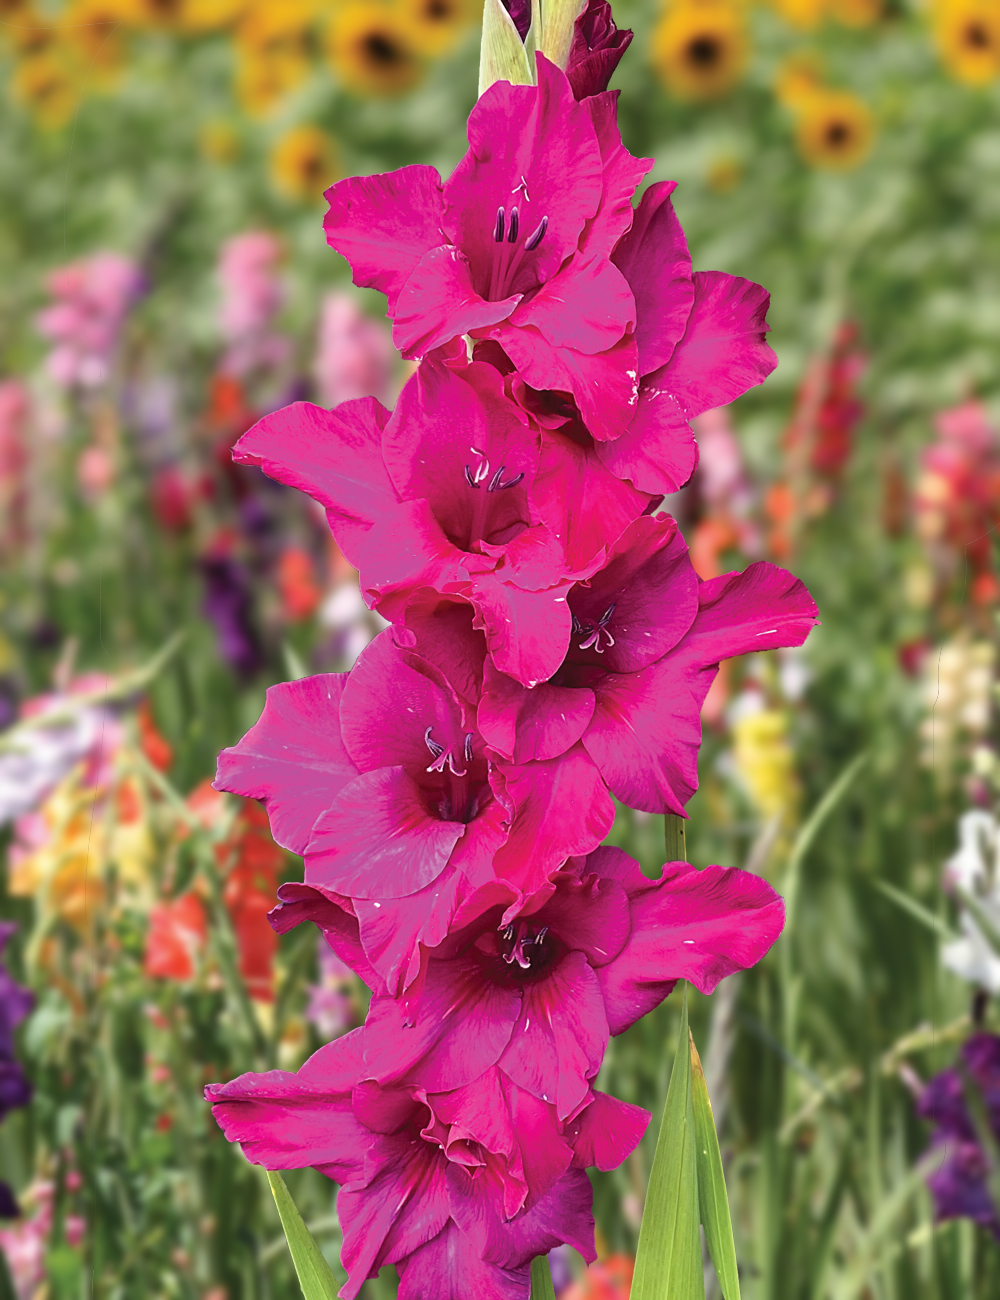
(177, 933)
(608, 1279)
(300, 592)
(827, 408)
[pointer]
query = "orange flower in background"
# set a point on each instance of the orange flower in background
(177, 933)
(155, 746)
(300, 592)
(608, 1279)
(779, 507)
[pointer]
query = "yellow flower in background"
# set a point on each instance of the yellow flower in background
(262, 81)
(63, 874)
(46, 86)
(724, 174)
(799, 77)
(700, 48)
(273, 45)
(835, 129)
(212, 15)
(434, 26)
(370, 52)
(304, 162)
(219, 142)
(765, 762)
(806, 15)
(967, 34)
(856, 13)
(153, 13)
(94, 31)
(30, 33)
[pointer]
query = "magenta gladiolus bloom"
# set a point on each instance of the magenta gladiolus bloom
(535, 990)
(647, 638)
(380, 777)
(460, 1210)
(515, 246)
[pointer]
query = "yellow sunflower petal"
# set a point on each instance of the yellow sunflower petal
(370, 51)
(700, 48)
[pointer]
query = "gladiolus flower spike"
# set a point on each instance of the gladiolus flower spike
(550, 646)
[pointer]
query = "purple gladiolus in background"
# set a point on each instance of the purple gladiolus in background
(15, 1090)
(550, 648)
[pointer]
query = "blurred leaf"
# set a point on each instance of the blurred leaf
(315, 1275)
(981, 917)
(7, 1291)
(713, 1201)
(805, 837)
(502, 56)
(668, 1259)
(294, 666)
(541, 1279)
(915, 909)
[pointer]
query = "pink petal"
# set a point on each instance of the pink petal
(654, 258)
(451, 1267)
(605, 386)
(442, 627)
(527, 632)
(622, 174)
(402, 1205)
(533, 147)
(294, 1121)
(442, 278)
(334, 456)
(588, 306)
(582, 502)
(723, 352)
(384, 224)
(690, 924)
(588, 914)
(333, 914)
(391, 698)
(561, 808)
(293, 758)
(406, 551)
(524, 725)
(562, 1215)
(607, 1132)
(657, 452)
(453, 1031)
(559, 1040)
(377, 840)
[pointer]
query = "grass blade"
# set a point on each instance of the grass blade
(915, 909)
(668, 1260)
(713, 1201)
(315, 1275)
(541, 1279)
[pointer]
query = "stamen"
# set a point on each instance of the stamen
(496, 485)
(495, 480)
(468, 747)
(540, 936)
(508, 934)
(436, 750)
(469, 479)
(537, 236)
(577, 626)
(498, 233)
(512, 482)
(514, 223)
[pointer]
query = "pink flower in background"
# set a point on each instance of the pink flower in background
(332, 1008)
(92, 298)
(14, 408)
(461, 1210)
(26, 1242)
(354, 355)
(252, 296)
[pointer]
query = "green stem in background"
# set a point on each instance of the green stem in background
(675, 834)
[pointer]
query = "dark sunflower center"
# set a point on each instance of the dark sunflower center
(382, 50)
(977, 37)
(705, 52)
(437, 11)
(838, 134)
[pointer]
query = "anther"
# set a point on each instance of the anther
(436, 750)
(540, 936)
(537, 236)
(469, 479)
(512, 482)
(495, 480)
(468, 747)
(498, 233)
(514, 222)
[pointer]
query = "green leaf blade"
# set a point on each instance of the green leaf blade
(541, 1279)
(713, 1200)
(668, 1259)
(316, 1277)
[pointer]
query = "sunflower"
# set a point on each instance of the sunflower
(92, 29)
(799, 77)
(44, 83)
(856, 13)
(700, 48)
(303, 162)
(277, 30)
(152, 13)
(211, 15)
(434, 26)
(263, 79)
(835, 129)
(30, 33)
(806, 15)
(370, 51)
(967, 33)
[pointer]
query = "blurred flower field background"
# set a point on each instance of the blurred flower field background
(164, 280)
